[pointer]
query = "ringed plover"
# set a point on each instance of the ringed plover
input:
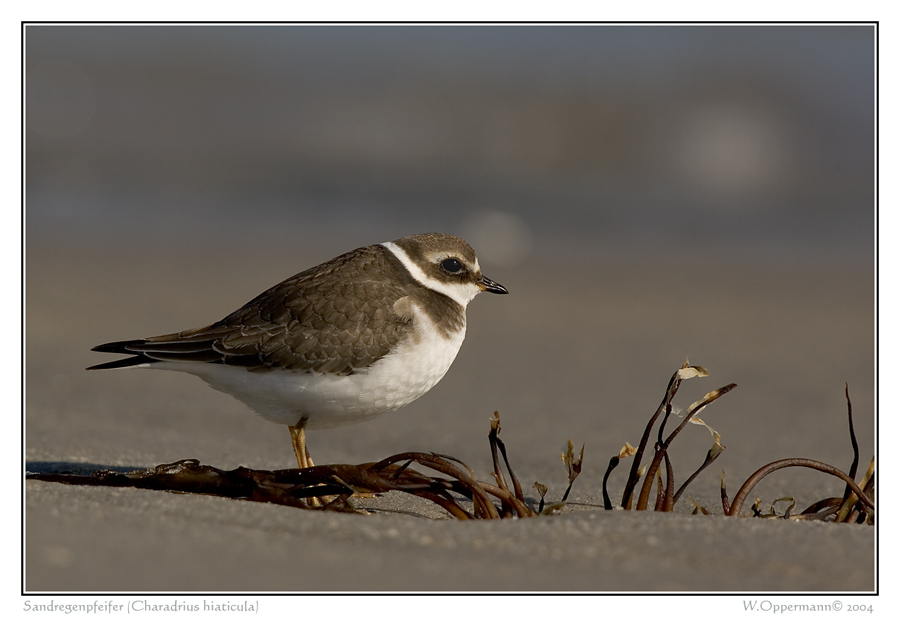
(363, 334)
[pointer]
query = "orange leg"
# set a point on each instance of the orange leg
(298, 439)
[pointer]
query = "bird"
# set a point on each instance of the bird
(365, 333)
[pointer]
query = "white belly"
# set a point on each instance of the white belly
(285, 397)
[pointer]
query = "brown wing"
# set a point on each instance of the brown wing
(321, 320)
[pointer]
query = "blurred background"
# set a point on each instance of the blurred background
(533, 139)
(647, 194)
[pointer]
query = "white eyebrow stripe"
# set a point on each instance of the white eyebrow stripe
(461, 292)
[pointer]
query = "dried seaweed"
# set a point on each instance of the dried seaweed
(462, 496)
(864, 503)
(329, 487)
(856, 506)
(667, 496)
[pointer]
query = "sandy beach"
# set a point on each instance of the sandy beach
(648, 194)
(595, 376)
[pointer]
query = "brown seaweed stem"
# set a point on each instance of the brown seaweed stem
(762, 472)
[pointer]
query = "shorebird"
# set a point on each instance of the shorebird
(342, 342)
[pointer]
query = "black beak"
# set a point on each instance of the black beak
(489, 285)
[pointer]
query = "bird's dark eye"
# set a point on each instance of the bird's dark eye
(451, 265)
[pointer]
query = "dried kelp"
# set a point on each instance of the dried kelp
(462, 496)
(458, 491)
(856, 506)
(666, 495)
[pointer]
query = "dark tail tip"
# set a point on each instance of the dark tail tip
(133, 359)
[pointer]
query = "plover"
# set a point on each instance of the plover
(363, 334)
